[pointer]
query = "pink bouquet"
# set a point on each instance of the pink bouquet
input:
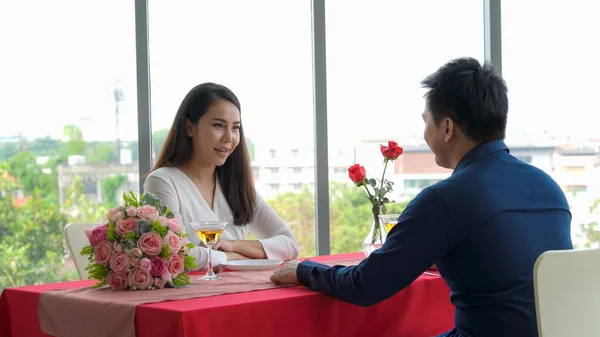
(142, 246)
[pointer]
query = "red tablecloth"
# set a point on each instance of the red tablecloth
(422, 309)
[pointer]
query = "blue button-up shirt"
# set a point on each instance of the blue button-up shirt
(483, 227)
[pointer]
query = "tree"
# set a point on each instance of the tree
(350, 217)
(100, 152)
(74, 143)
(31, 245)
(158, 139)
(110, 186)
(251, 148)
(591, 230)
(32, 180)
(8, 150)
(298, 210)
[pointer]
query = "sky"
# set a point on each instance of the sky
(60, 61)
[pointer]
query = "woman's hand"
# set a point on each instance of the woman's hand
(235, 256)
(225, 245)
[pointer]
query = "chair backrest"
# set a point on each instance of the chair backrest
(76, 239)
(567, 293)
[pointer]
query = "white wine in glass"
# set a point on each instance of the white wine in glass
(209, 233)
(389, 221)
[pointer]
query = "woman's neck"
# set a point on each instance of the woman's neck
(203, 174)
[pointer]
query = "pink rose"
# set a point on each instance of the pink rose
(97, 235)
(184, 248)
(140, 279)
(173, 241)
(120, 263)
(103, 253)
(150, 243)
(159, 283)
(125, 226)
(145, 264)
(118, 247)
(115, 214)
(136, 252)
(163, 221)
(131, 211)
(175, 265)
(174, 225)
(158, 266)
(117, 281)
(166, 276)
(148, 212)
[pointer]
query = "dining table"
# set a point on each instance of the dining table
(422, 309)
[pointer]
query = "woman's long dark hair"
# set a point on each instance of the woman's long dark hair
(235, 176)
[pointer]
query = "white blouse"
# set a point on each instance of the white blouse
(176, 190)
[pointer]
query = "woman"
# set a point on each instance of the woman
(203, 173)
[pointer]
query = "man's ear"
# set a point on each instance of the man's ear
(189, 127)
(449, 129)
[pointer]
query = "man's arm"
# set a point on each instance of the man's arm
(422, 237)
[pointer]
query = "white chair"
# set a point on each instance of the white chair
(76, 239)
(567, 293)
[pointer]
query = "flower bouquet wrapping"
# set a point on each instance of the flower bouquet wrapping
(141, 246)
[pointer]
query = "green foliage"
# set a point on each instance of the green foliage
(165, 252)
(251, 148)
(591, 230)
(189, 262)
(31, 244)
(111, 234)
(78, 208)
(159, 228)
(100, 152)
(110, 186)
(181, 280)
(158, 139)
(98, 272)
(8, 150)
(33, 181)
(350, 214)
(74, 144)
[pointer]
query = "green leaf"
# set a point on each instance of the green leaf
(87, 250)
(159, 228)
(189, 262)
(111, 234)
(372, 182)
(98, 272)
(165, 253)
(131, 236)
(181, 280)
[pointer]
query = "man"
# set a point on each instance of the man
(483, 227)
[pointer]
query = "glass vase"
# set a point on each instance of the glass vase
(377, 234)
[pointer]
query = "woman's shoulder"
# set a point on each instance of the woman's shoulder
(164, 172)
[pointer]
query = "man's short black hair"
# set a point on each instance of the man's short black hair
(473, 96)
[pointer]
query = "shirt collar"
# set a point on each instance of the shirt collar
(480, 151)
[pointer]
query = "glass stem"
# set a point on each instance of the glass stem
(209, 258)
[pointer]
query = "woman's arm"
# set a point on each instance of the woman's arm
(167, 194)
(275, 239)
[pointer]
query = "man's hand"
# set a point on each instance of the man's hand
(286, 274)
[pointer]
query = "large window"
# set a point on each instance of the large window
(377, 54)
(67, 81)
(551, 72)
(262, 51)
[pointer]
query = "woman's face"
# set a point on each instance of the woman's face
(216, 134)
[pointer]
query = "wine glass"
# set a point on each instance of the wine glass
(209, 233)
(389, 221)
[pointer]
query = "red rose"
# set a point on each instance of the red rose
(357, 173)
(392, 151)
